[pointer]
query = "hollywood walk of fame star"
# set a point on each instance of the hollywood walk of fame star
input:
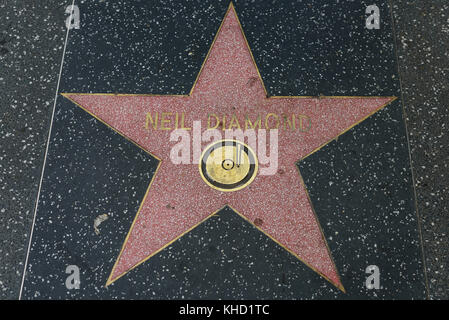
(178, 199)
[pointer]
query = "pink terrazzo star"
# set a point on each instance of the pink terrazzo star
(179, 199)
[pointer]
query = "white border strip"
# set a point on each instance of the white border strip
(45, 161)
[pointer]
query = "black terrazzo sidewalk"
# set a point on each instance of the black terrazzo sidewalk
(31, 43)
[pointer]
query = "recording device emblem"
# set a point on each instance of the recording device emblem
(228, 165)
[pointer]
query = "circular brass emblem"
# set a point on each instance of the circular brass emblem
(228, 165)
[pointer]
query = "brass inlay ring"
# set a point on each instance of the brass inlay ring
(228, 165)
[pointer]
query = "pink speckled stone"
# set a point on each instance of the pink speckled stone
(179, 199)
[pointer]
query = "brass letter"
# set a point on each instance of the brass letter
(149, 119)
(291, 124)
(248, 121)
(234, 122)
(268, 117)
(164, 121)
(302, 126)
(182, 122)
(217, 121)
